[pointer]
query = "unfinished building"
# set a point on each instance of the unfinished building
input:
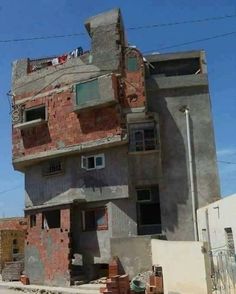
(102, 142)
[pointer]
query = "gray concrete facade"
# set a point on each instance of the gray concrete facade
(76, 183)
(167, 100)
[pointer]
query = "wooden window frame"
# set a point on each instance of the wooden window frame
(143, 144)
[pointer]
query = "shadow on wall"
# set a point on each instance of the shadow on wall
(77, 183)
(103, 119)
(36, 136)
(174, 191)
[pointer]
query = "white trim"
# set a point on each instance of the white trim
(84, 161)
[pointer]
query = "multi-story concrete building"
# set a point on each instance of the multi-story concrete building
(102, 142)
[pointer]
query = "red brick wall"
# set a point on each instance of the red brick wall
(64, 127)
(14, 223)
(134, 82)
(53, 250)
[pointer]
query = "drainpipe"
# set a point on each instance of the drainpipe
(185, 110)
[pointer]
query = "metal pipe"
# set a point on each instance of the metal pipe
(191, 178)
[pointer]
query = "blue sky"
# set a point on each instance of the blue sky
(27, 18)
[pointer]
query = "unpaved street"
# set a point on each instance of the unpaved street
(7, 291)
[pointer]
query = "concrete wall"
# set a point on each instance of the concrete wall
(135, 254)
(174, 185)
(95, 246)
(220, 215)
(110, 182)
(186, 266)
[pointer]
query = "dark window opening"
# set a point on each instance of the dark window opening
(132, 63)
(15, 251)
(53, 167)
(35, 113)
(95, 219)
(14, 242)
(90, 222)
(230, 241)
(148, 210)
(143, 195)
(32, 220)
(178, 67)
(51, 219)
(91, 162)
(103, 270)
(143, 137)
(149, 213)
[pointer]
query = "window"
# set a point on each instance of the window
(14, 242)
(132, 63)
(51, 219)
(143, 137)
(143, 195)
(52, 167)
(32, 220)
(95, 219)
(87, 91)
(93, 162)
(230, 241)
(148, 210)
(35, 113)
(15, 251)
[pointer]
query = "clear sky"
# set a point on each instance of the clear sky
(27, 18)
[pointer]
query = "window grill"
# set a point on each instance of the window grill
(230, 241)
(53, 167)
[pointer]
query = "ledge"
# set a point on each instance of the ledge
(183, 81)
(95, 104)
(20, 163)
(146, 152)
(30, 124)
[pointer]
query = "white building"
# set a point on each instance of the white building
(217, 226)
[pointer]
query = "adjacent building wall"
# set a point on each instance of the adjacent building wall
(216, 225)
(213, 219)
(11, 246)
(13, 223)
(186, 266)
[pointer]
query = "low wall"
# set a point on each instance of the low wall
(186, 266)
(134, 254)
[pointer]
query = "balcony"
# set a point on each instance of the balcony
(32, 117)
(95, 93)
